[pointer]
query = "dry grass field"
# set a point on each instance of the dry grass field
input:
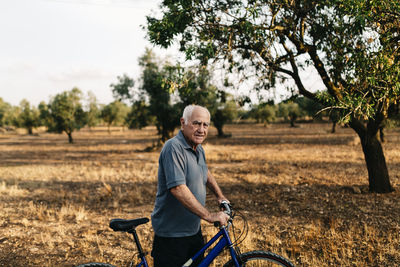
(303, 191)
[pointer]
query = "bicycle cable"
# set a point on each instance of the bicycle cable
(243, 232)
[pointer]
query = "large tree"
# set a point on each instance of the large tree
(352, 45)
(154, 99)
(155, 85)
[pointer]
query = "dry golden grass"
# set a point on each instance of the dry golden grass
(303, 191)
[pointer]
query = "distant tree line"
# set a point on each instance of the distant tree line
(164, 90)
(71, 110)
(292, 110)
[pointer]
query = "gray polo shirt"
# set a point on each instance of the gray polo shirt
(178, 164)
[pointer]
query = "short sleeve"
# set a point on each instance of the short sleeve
(173, 163)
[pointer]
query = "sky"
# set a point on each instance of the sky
(51, 46)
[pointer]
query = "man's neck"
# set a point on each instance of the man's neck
(193, 145)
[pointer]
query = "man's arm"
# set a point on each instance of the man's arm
(214, 187)
(183, 194)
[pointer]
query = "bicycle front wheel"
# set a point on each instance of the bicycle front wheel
(96, 264)
(261, 259)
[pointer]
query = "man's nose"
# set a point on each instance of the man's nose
(202, 127)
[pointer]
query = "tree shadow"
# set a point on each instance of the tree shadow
(315, 201)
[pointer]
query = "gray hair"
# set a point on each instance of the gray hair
(187, 112)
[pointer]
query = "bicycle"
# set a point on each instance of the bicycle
(222, 240)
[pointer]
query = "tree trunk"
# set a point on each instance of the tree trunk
(220, 131)
(165, 134)
(378, 174)
(381, 134)
(333, 127)
(70, 140)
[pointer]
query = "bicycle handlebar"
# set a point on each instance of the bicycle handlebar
(227, 208)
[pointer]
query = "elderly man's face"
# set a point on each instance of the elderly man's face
(196, 129)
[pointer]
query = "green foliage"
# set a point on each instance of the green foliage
(123, 90)
(310, 107)
(139, 114)
(223, 113)
(139, 117)
(29, 116)
(13, 117)
(165, 90)
(152, 101)
(114, 113)
(353, 45)
(194, 87)
(263, 113)
(289, 111)
(45, 118)
(66, 113)
(5, 112)
(155, 84)
(92, 110)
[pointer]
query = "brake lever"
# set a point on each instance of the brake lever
(227, 207)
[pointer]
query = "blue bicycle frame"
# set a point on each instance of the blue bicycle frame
(222, 243)
(142, 263)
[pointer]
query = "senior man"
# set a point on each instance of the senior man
(181, 192)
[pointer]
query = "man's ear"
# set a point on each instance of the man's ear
(182, 122)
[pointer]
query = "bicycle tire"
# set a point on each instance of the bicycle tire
(96, 264)
(261, 258)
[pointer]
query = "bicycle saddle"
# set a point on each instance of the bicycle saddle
(126, 225)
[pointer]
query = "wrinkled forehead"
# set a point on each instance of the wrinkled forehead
(200, 114)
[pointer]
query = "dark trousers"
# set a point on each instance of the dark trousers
(175, 251)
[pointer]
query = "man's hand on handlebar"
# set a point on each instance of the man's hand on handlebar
(220, 218)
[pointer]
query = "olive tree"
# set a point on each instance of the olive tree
(66, 113)
(114, 114)
(5, 109)
(352, 45)
(29, 116)
(289, 111)
(154, 83)
(263, 112)
(223, 113)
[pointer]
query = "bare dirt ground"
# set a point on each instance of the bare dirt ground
(303, 191)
